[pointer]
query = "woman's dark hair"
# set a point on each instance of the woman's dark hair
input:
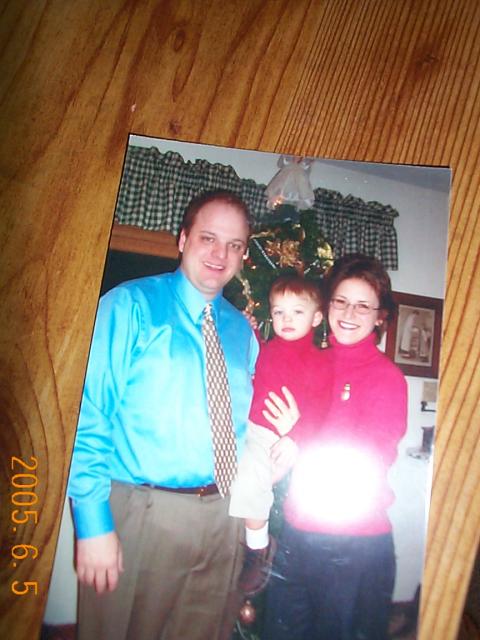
(372, 271)
(220, 195)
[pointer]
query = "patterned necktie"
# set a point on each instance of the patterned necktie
(219, 406)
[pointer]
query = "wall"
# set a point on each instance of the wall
(419, 194)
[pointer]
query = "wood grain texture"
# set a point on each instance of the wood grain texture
(376, 80)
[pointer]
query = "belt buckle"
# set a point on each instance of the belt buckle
(207, 490)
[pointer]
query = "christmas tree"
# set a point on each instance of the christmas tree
(290, 241)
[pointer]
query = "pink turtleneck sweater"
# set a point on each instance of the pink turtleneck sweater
(298, 365)
(339, 485)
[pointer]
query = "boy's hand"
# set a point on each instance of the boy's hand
(284, 454)
(282, 414)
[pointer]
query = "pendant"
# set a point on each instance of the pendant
(346, 392)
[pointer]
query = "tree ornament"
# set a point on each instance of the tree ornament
(247, 613)
(323, 334)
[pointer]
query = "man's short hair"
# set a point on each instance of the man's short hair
(297, 284)
(219, 195)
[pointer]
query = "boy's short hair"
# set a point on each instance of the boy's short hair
(297, 284)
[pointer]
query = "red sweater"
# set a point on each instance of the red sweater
(298, 365)
(339, 485)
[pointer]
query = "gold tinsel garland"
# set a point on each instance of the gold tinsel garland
(292, 241)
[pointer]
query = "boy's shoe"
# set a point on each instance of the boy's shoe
(257, 568)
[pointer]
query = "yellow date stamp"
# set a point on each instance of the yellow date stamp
(23, 499)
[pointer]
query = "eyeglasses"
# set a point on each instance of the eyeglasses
(363, 308)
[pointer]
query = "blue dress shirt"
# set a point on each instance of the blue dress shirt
(144, 416)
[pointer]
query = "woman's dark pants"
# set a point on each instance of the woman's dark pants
(326, 587)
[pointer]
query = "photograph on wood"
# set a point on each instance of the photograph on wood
(307, 215)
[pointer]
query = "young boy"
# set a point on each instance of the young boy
(287, 365)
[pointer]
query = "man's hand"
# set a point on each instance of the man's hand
(283, 414)
(284, 454)
(251, 319)
(99, 561)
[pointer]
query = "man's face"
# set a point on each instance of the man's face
(293, 315)
(213, 250)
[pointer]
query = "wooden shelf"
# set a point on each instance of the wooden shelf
(134, 239)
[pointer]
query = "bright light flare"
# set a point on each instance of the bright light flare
(336, 483)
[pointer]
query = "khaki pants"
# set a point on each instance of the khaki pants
(252, 489)
(182, 557)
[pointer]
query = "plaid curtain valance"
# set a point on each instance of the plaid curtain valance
(156, 188)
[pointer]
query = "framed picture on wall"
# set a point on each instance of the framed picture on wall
(413, 337)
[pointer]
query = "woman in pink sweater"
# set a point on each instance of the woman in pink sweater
(335, 567)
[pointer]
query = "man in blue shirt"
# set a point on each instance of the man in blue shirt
(153, 534)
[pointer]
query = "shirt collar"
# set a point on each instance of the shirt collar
(361, 351)
(192, 298)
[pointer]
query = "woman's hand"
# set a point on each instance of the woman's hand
(284, 454)
(283, 414)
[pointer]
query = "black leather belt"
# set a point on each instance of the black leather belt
(206, 490)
